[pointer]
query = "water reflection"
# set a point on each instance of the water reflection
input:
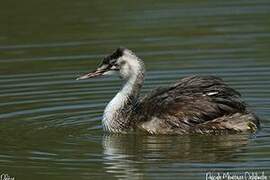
(123, 154)
(119, 155)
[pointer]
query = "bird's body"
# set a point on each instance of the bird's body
(195, 104)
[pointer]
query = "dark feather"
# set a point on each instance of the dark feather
(192, 101)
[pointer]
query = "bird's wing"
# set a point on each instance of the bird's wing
(191, 101)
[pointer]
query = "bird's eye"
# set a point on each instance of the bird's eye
(112, 62)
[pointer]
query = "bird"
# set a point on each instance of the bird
(202, 104)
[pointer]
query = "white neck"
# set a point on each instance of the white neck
(115, 117)
(116, 105)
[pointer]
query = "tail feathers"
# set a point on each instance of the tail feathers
(234, 123)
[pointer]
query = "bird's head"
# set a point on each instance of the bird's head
(122, 62)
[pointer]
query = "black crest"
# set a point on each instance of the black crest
(115, 55)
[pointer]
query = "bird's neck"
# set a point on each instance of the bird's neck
(117, 114)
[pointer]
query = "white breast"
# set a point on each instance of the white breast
(115, 106)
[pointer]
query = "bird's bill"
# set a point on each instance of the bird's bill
(93, 74)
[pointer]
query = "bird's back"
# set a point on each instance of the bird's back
(194, 104)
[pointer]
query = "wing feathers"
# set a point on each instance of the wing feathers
(188, 101)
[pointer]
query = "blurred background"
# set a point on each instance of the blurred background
(50, 124)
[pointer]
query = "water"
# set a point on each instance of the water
(50, 124)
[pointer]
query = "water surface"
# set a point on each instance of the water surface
(50, 124)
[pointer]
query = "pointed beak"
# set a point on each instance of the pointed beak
(91, 74)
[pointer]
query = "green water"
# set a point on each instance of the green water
(50, 124)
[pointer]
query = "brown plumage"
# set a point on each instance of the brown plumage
(201, 104)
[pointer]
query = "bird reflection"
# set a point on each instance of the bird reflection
(128, 156)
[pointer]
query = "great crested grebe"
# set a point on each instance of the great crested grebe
(195, 104)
